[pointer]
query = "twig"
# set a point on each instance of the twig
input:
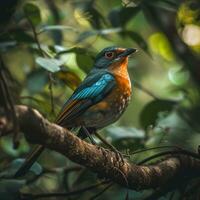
(154, 148)
(51, 93)
(185, 152)
(55, 13)
(123, 175)
(113, 148)
(44, 55)
(31, 98)
(9, 104)
(66, 174)
(35, 36)
(78, 178)
(172, 195)
(127, 195)
(168, 187)
(145, 90)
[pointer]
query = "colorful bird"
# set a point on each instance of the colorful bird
(99, 100)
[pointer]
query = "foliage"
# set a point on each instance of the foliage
(48, 47)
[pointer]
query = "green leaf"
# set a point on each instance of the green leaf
(8, 188)
(96, 19)
(57, 27)
(159, 44)
(173, 120)
(73, 50)
(150, 112)
(119, 17)
(50, 64)
(7, 147)
(120, 132)
(17, 35)
(137, 38)
(169, 5)
(7, 9)
(126, 137)
(36, 80)
(21, 36)
(84, 58)
(68, 77)
(178, 76)
(16, 164)
(33, 13)
(84, 62)
(86, 35)
(35, 168)
(6, 144)
(172, 128)
(102, 32)
(5, 46)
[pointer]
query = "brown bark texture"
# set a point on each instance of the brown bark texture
(105, 163)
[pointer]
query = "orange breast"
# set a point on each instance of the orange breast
(120, 96)
(111, 108)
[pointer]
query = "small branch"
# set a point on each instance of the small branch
(44, 55)
(101, 192)
(145, 90)
(8, 100)
(105, 163)
(154, 148)
(35, 36)
(55, 14)
(184, 152)
(51, 93)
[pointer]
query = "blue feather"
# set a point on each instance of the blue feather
(95, 89)
(92, 90)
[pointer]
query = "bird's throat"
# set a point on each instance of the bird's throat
(120, 68)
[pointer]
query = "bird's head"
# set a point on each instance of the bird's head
(113, 56)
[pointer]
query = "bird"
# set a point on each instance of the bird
(98, 101)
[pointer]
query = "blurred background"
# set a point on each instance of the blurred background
(47, 47)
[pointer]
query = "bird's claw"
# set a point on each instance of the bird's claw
(119, 157)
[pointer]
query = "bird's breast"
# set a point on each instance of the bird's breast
(111, 108)
(120, 96)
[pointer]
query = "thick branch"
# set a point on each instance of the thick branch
(103, 162)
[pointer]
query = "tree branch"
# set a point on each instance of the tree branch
(39, 130)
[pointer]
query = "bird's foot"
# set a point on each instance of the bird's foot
(119, 156)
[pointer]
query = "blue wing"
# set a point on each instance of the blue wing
(91, 91)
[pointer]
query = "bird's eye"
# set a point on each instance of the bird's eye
(109, 55)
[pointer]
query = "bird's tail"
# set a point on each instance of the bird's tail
(82, 133)
(35, 153)
(30, 159)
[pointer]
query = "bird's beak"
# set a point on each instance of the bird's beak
(125, 52)
(128, 52)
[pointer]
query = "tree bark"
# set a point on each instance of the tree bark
(39, 130)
